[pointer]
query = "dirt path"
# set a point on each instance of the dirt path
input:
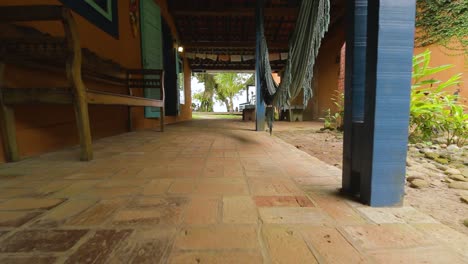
(439, 201)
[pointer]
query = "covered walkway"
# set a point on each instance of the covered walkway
(206, 191)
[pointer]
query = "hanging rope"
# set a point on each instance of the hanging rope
(311, 26)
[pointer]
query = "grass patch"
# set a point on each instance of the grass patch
(196, 115)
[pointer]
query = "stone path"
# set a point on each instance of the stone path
(207, 191)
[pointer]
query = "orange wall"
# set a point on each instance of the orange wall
(440, 56)
(326, 74)
(43, 128)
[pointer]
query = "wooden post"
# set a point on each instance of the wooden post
(260, 105)
(163, 98)
(130, 92)
(377, 123)
(390, 46)
(7, 120)
(161, 119)
(354, 94)
(76, 83)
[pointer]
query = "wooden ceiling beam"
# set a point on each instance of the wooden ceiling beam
(230, 68)
(246, 12)
(227, 44)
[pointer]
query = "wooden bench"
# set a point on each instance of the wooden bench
(248, 113)
(30, 48)
(292, 113)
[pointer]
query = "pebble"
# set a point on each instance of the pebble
(458, 177)
(412, 178)
(445, 155)
(410, 162)
(447, 180)
(442, 161)
(464, 172)
(464, 199)
(419, 184)
(430, 166)
(416, 172)
(459, 185)
(441, 167)
(453, 147)
(431, 155)
(452, 171)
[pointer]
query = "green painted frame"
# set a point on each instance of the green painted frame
(150, 62)
(107, 14)
(105, 19)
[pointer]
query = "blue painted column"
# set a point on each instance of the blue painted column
(260, 105)
(375, 152)
(388, 82)
(356, 41)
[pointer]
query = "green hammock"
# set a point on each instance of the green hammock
(312, 24)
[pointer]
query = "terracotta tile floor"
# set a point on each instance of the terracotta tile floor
(206, 191)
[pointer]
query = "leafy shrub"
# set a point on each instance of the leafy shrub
(434, 110)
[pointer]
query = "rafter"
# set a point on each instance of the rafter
(228, 44)
(248, 12)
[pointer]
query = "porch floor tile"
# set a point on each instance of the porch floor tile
(205, 191)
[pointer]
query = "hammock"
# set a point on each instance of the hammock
(304, 44)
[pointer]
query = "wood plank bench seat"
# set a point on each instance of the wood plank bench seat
(292, 113)
(30, 48)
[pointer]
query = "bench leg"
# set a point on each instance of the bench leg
(9, 133)
(78, 88)
(84, 131)
(161, 118)
(130, 123)
(82, 118)
(7, 120)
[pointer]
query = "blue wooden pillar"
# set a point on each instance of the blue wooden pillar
(356, 41)
(376, 142)
(260, 105)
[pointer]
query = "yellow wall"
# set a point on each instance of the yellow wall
(43, 128)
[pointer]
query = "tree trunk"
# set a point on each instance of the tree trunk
(208, 80)
(226, 102)
(208, 102)
(231, 104)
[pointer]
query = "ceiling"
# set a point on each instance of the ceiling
(220, 34)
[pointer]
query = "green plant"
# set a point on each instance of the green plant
(434, 110)
(338, 117)
(334, 120)
(328, 119)
(455, 125)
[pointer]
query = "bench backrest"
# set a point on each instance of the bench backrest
(98, 68)
(50, 13)
(147, 79)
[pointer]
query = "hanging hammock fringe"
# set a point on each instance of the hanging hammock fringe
(311, 26)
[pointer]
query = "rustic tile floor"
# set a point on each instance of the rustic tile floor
(206, 191)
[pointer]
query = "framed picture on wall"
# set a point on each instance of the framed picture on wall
(102, 13)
